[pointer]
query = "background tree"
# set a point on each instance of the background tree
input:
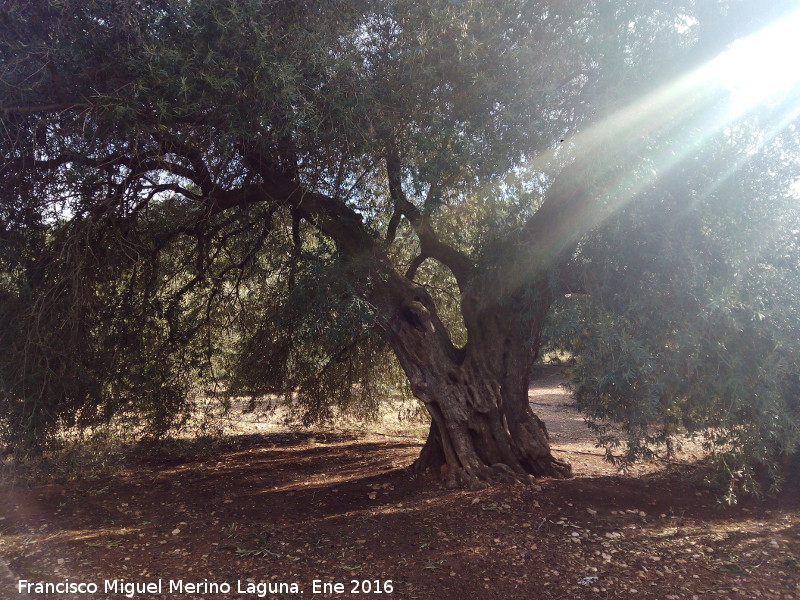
(319, 198)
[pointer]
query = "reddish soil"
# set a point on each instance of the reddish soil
(336, 507)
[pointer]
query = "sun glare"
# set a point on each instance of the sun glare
(762, 66)
(756, 71)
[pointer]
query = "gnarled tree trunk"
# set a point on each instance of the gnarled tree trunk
(483, 429)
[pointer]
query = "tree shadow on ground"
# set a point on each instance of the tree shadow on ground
(334, 507)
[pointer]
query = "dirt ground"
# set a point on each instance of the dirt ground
(268, 512)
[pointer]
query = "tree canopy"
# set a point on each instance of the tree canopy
(325, 200)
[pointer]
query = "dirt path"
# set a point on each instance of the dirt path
(286, 509)
(572, 440)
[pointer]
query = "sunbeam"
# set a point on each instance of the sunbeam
(761, 67)
(635, 146)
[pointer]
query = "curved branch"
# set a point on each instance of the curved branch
(415, 264)
(394, 223)
(430, 244)
(201, 175)
(138, 164)
(330, 215)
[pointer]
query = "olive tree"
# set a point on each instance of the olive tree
(317, 198)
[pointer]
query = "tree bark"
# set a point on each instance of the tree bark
(482, 430)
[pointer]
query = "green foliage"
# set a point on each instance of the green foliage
(312, 343)
(690, 324)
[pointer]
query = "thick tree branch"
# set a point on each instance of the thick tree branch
(138, 164)
(430, 244)
(415, 265)
(563, 217)
(394, 223)
(201, 175)
(546, 242)
(331, 216)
